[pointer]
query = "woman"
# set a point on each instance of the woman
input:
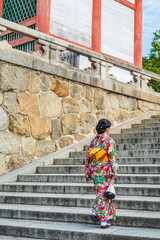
(101, 167)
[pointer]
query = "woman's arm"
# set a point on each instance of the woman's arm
(87, 165)
(87, 169)
(112, 157)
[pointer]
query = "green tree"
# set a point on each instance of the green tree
(152, 63)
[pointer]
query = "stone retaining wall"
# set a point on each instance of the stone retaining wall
(41, 113)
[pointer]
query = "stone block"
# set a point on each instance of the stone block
(28, 147)
(4, 120)
(100, 99)
(19, 124)
(10, 143)
(70, 105)
(87, 123)
(70, 124)
(17, 161)
(13, 78)
(28, 104)
(89, 93)
(10, 103)
(55, 129)
(33, 81)
(50, 105)
(77, 91)
(127, 103)
(122, 115)
(1, 99)
(45, 82)
(86, 106)
(146, 106)
(79, 137)
(60, 87)
(40, 127)
(106, 115)
(65, 141)
(2, 164)
(46, 147)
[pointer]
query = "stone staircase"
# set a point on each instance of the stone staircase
(55, 202)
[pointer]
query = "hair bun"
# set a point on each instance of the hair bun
(102, 125)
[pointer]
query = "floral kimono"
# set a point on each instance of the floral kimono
(100, 172)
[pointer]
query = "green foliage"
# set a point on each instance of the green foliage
(152, 63)
(154, 84)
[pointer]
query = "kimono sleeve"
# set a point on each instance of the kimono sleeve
(112, 156)
(87, 166)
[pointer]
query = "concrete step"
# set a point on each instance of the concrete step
(69, 161)
(72, 231)
(142, 146)
(15, 238)
(80, 178)
(146, 125)
(81, 188)
(138, 146)
(123, 169)
(138, 160)
(139, 130)
(80, 200)
(135, 135)
(156, 116)
(147, 153)
(120, 160)
(127, 218)
(152, 120)
(139, 153)
(133, 140)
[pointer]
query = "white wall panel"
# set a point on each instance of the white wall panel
(72, 20)
(117, 30)
(131, 1)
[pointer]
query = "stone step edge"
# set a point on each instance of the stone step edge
(31, 168)
(66, 185)
(3, 237)
(76, 196)
(75, 230)
(81, 174)
(81, 211)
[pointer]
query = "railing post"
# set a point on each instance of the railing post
(144, 82)
(136, 79)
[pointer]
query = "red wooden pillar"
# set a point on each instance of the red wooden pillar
(138, 34)
(43, 16)
(1, 8)
(96, 25)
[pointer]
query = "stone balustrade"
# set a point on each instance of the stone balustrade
(52, 48)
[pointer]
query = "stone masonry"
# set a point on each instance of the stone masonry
(41, 113)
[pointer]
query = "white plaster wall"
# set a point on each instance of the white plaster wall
(117, 30)
(131, 1)
(72, 20)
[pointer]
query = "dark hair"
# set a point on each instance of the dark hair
(102, 125)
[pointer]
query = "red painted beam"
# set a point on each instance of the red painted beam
(1, 8)
(126, 3)
(43, 15)
(96, 25)
(21, 41)
(26, 23)
(138, 34)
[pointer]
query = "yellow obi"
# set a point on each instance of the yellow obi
(98, 155)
